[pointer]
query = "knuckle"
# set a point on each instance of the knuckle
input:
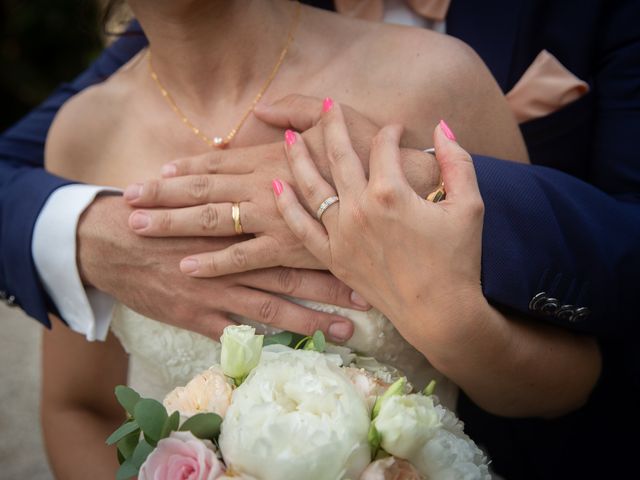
(209, 218)
(268, 312)
(198, 187)
(212, 162)
(475, 208)
(309, 188)
(151, 190)
(165, 221)
(239, 258)
(385, 194)
(313, 323)
(359, 216)
(337, 154)
(289, 281)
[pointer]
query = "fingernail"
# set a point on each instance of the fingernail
(133, 192)
(327, 104)
(289, 137)
(277, 187)
(340, 331)
(447, 131)
(140, 220)
(169, 170)
(359, 300)
(189, 265)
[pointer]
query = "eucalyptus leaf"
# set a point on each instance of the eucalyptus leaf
(140, 454)
(127, 397)
(319, 343)
(282, 338)
(203, 425)
(128, 444)
(127, 470)
(172, 424)
(125, 429)
(151, 416)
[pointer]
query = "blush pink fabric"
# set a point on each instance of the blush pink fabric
(374, 9)
(545, 87)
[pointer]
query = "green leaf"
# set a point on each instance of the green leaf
(319, 343)
(172, 424)
(151, 416)
(127, 470)
(396, 388)
(203, 425)
(374, 439)
(127, 397)
(140, 454)
(282, 338)
(429, 389)
(125, 429)
(302, 343)
(128, 444)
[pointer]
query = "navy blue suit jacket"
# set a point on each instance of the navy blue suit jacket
(567, 228)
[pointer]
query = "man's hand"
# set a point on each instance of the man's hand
(198, 192)
(143, 274)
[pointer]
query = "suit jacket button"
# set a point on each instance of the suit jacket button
(580, 314)
(11, 301)
(536, 302)
(565, 312)
(550, 307)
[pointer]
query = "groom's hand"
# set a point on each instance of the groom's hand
(143, 274)
(197, 192)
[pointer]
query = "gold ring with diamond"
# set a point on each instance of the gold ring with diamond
(438, 194)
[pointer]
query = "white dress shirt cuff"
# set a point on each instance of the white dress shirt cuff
(87, 311)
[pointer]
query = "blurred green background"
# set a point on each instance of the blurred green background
(43, 43)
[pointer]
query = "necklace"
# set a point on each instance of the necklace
(222, 142)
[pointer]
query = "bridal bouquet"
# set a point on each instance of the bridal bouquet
(272, 412)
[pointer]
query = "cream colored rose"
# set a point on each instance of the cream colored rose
(208, 392)
(366, 384)
(241, 349)
(391, 468)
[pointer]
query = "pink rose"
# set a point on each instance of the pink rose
(182, 456)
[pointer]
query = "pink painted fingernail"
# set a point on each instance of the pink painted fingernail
(327, 104)
(340, 331)
(359, 300)
(133, 192)
(290, 137)
(189, 265)
(447, 131)
(140, 220)
(169, 170)
(277, 187)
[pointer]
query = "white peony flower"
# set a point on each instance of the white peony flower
(208, 392)
(241, 349)
(296, 416)
(405, 423)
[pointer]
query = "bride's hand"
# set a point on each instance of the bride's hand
(409, 257)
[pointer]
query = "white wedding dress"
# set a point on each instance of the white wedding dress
(163, 357)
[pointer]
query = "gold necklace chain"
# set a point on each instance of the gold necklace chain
(222, 142)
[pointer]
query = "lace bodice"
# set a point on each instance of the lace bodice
(163, 357)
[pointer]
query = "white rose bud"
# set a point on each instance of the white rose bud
(405, 423)
(241, 349)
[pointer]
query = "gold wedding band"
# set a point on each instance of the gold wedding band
(326, 204)
(438, 194)
(235, 214)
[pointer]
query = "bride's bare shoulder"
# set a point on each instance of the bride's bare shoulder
(86, 124)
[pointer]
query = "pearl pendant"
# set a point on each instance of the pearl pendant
(217, 141)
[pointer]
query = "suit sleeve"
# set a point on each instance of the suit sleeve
(561, 248)
(25, 185)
